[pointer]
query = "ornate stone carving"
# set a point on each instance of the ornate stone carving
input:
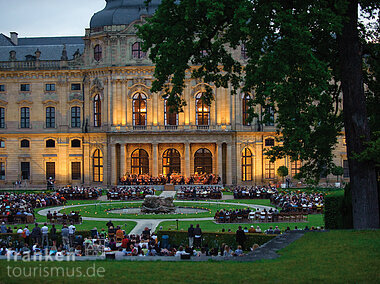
(97, 86)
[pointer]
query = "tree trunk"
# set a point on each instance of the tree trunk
(362, 174)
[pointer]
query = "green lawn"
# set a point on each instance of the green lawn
(331, 257)
(102, 211)
(210, 226)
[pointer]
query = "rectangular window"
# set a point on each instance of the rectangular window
(50, 117)
(269, 116)
(50, 87)
(25, 117)
(295, 167)
(2, 171)
(75, 117)
(2, 117)
(50, 170)
(269, 169)
(75, 87)
(25, 88)
(25, 170)
(346, 171)
(2, 88)
(75, 171)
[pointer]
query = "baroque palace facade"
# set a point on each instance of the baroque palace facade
(80, 110)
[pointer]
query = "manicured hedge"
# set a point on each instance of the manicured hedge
(177, 238)
(16, 237)
(338, 210)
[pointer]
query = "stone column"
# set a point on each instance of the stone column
(155, 160)
(187, 159)
(113, 164)
(122, 160)
(123, 105)
(220, 160)
(229, 164)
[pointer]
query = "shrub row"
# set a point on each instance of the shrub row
(338, 210)
(16, 237)
(212, 239)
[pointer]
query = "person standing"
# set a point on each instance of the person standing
(197, 236)
(36, 234)
(240, 237)
(45, 236)
(190, 234)
(65, 237)
(71, 233)
(53, 233)
(27, 234)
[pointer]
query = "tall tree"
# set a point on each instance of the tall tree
(301, 55)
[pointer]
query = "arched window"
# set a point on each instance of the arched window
(50, 143)
(139, 109)
(25, 117)
(75, 143)
(203, 161)
(50, 117)
(137, 52)
(246, 165)
(97, 111)
(202, 111)
(140, 162)
(2, 117)
(245, 101)
(171, 118)
(97, 52)
(97, 166)
(171, 162)
(25, 143)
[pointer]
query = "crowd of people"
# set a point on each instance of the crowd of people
(298, 202)
(200, 192)
(254, 192)
(129, 192)
(19, 207)
(63, 218)
(79, 192)
(176, 179)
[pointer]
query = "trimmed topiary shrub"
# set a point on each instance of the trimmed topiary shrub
(338, 210)
(212, 239)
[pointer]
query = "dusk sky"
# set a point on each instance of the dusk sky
(33, 18)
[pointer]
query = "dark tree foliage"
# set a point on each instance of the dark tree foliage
(302, 55)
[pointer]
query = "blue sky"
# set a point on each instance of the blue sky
(33, 18)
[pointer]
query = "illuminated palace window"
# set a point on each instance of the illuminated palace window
(139, 109)
(171, 162)
(97, 166)
(97, 111)
(171, 118)
(140, 162)
(269, 169)
(203, 161)
(50, 170)
(246, 165)
(245, 101)
(202, 111)
(295, 167)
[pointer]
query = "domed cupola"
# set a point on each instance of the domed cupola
(122, 12)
